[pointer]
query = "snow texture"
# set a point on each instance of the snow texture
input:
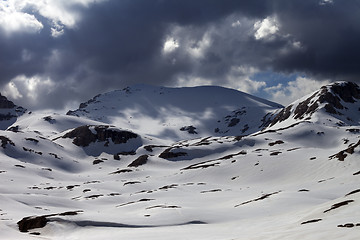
(162, 163)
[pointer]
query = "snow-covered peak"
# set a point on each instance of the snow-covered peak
(339, 100)
(9, 112)
(67, 177)
(178, 113)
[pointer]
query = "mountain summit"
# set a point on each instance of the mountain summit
(9, 112)
(179, 113)
(340, 100)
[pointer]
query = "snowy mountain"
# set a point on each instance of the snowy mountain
(179, 113)
(339, 101)
(148, 163)
(9, 112)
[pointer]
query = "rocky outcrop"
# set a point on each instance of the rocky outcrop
(8, 112)
(29, 223)
(189, 129)
(87, 134)
(344, 153)
(5, 103)
(168, 154)
(5, 141)
(141, 160)
(331, 97)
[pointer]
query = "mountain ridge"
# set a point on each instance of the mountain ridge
(9, 112)
(65, 176)
(210, 110)
(333, 99)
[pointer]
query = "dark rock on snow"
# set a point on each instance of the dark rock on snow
(83, 136)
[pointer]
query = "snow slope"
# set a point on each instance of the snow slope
(161, 112)
(91, 179)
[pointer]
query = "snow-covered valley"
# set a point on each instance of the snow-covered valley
(185, 163)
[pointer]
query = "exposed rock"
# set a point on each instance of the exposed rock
(70, 187)
(84, 105)
(49, 119)
(303, 108)
(304, 190)
(5, 141)
(276, 142)
(54, 155)
(246, 127)
(127, 153)
(164, 206)
(131, 183)
(347, 225)
(32, 140)
(242, 152)
(274, 153)
(28, 223)
(13, 129)
(189, 129)
(282, 115)
(150, 148)
(337, 92)
(7, 116)
(97, 161)
(168, 154)
(94, 196)
(211, 191)
(331, 96)
(201, 165)
(347, 91)
(264, 196)
(353, 130)
(32, 222)
(233, 122)
(116, 156)
(353, 192)
(343, 154)
(83, 136)
(122, 171)
(141, 160)
(5, 103)
(10, 112)
(312, 221)
(166, 187)
(31, 150)
(337, 205)
(331, 99)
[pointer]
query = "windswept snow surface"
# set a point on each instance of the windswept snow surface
(291, 181)
(161, 112)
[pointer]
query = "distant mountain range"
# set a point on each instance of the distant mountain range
(201, 163)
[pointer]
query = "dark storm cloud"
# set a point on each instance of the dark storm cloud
(330, 35)
(118, 43)
(127, 37)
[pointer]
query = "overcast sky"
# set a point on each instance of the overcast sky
(57, 53)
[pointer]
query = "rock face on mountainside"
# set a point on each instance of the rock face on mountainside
(85, 135)
(98, 139)
(340, 99)
(9, 112)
